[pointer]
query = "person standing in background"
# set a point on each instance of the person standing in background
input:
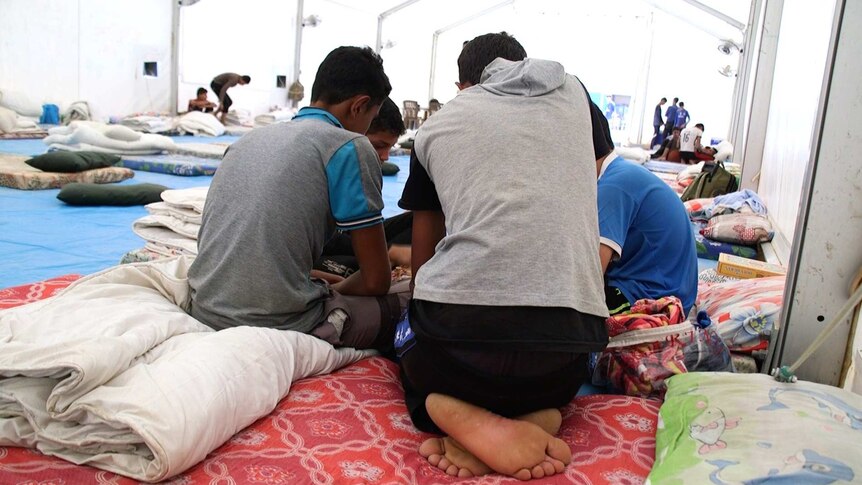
(220, 84)
(670, 118)
(657, 121)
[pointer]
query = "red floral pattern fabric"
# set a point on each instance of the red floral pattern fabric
(351, 427)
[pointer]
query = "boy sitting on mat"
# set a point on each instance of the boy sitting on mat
(647, 245)
(279, 194)
(338, 256)
(508, 294)
(201, 103)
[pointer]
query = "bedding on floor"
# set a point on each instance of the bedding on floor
(16, 174)
(138, 390)
(351, 426)
(172, 226)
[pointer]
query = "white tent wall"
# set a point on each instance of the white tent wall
(803, 43)
(605, 44)
(254, 38)
(60, 51)
(341, 24)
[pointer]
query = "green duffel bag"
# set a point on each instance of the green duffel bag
(714, 180)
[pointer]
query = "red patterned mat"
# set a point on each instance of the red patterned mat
(351, 427)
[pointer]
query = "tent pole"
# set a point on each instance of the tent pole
(451, 26)
(175, 56)
(380, 18)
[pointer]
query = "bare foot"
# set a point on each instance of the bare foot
(400, 255)
(449, 456)
(520, 449)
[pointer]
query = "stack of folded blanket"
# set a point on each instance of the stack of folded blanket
(171, 227)
(149, 123)
(239, 117)
(278, 116)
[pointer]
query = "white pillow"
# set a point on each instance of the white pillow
(725, 151)
(20, 103)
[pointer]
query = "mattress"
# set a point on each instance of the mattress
(24, 135)
(16, 174)
(351, 426)
(172, 164)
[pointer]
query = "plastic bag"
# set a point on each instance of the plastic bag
(638, 362)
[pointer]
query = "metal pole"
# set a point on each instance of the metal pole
(743, 76)
(645, 83)
(451, 26)
(175, 56)
(656, 4)
(297, 52)
(380, 18)
(715, 13)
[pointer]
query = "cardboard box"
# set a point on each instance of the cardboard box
(744, 268)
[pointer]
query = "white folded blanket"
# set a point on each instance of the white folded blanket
(200, 123)
(181, 213)
(191, 198)
(279, 116)
(149, 124)
(154, 231)
(115, 374)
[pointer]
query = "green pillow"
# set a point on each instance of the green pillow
(101, 194)
(71, 162)
(389, 168)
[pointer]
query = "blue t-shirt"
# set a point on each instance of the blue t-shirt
(682, 117)
(645, 222)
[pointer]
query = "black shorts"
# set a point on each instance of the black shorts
(498, 371)
(686, 157)
(616, 300)
(226, 104)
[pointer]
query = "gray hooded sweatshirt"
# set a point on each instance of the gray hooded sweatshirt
(513, 164)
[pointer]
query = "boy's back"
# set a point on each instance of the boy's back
(268, 214)
(520, 204)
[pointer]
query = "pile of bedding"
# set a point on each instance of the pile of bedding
(171, 227)
(137, 391)
(149, 123)
(99, 137)
(278, 116)
(14, 126)
(199, 123)
(733, 223)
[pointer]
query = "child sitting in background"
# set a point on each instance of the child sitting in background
(201, 103)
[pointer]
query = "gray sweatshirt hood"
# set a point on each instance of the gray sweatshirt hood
(530, 77)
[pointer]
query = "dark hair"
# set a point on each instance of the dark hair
(675, 100)
(482, 50)
(388, 119)
(433, 100)
(664, 99)
(202, 91)
(681, 103)
(246, 79)
(350, 71)
(700, 125)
